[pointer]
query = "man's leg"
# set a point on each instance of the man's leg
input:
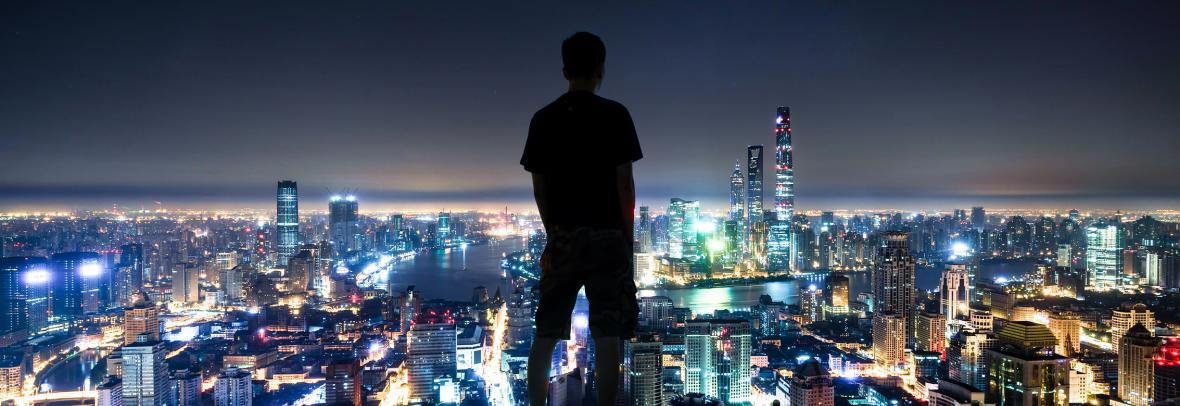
(540, 361)
(606, 369)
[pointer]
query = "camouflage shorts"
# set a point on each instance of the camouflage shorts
(600, 260)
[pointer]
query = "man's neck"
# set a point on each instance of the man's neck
(583, 85)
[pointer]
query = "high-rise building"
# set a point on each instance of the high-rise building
(75, 280)
(1023, 369)
(655, 312)
(110, 393)
(1067, 327)
(287, 220)
(645, 237)
(809, 303)
(1103, 256)
(342, 382)
(185, 388)
(142, 318)
(753, 187)
(955, 292)
(233, 388)
(22, 293)
(302, 270)
(966, 360)
(893, 280)
(343, 224)
(1136, 366)
(1127, 316)
(778, 244)
(11, 376)
(131, 261)
(1166, 385)
(145, 374)
(642, 368)
(431, 352)
(717, 359)
(737, 193)
(811, 385)
(837, 293)
(683, 216)
(889, 340)
(930, 332)
(186, 283)
(442, 235)
(978, 218)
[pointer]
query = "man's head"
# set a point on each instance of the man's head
(583, 55)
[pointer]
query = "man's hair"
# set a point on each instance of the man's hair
(582, 53)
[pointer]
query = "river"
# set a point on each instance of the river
(453, 273)
(75, 373)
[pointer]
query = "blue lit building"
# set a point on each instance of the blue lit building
(287, 220)
(23, 294)
(343, 224)
(75, 278)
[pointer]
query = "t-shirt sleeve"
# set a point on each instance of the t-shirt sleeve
(532, 156)
(629, 142)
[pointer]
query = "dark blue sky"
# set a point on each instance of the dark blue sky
(202, 103)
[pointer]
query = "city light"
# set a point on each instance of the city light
(90, 269)
(37, 276)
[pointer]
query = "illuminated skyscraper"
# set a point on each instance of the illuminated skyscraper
(753, 186)
(889, 340)
(645, 242)
(143, 317)
(1125, 317)
(682, 228)
(443, 230)
(930, 332)
(978, 218)
(955, 292)
(966, 361)
(893, 280)
(837, 293)
(737, 193)
(717, 359)
(22, 293)
(1067, 327)
(1136, 376)
(1103, 255)
(778, 244)
(131, 261)
(145, 374)
(431, 352)
(287, 220)
(642, 368)
(343, 223)
(74, 283)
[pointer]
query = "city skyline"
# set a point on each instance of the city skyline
(195, 109)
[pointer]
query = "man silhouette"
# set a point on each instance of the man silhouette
(579, 150)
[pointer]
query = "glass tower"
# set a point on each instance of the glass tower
(779, 241)
(753, 186)
(287, 220)
(342, 223)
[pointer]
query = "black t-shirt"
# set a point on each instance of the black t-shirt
(577, 143)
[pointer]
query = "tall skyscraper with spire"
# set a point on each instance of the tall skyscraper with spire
(778, 246)
(753, 187)
(287, 220)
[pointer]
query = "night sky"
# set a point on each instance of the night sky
(1053, 104)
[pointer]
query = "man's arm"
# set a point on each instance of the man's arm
(542, 203)
(626, 184)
